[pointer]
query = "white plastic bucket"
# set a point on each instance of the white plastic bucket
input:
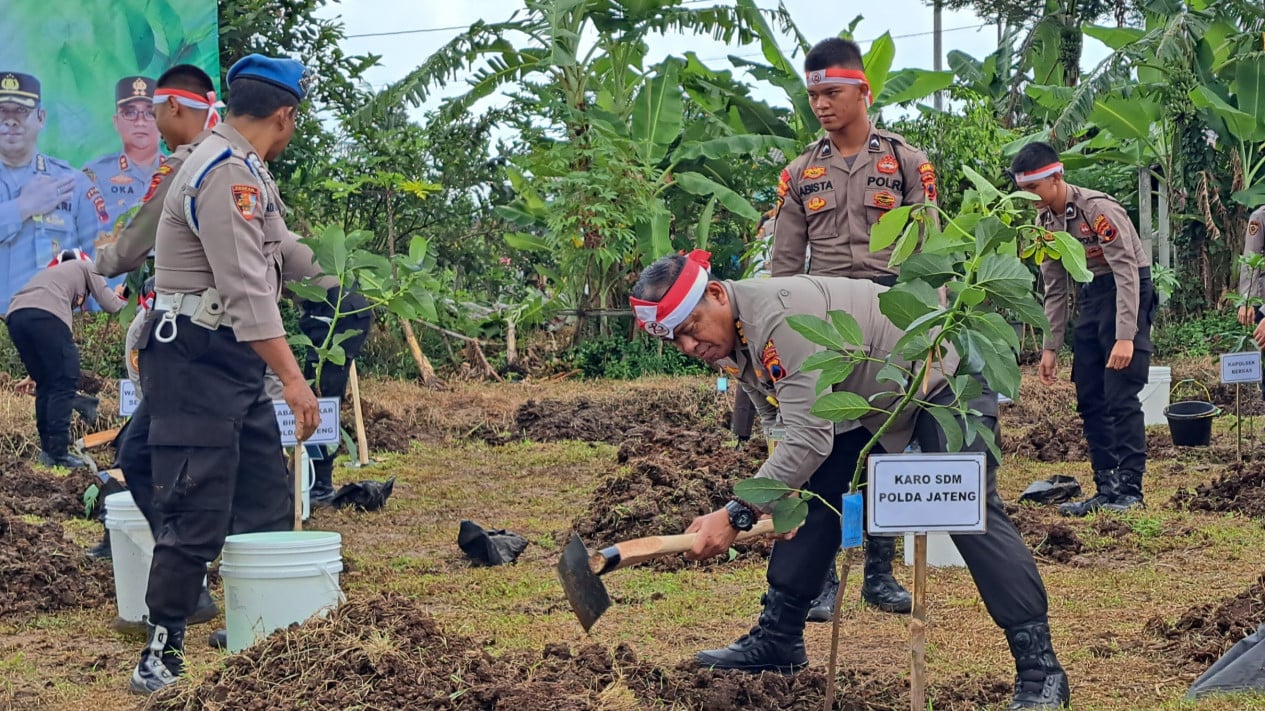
(941, 553)
(132, 548)
(1154, 395)
(272, 580)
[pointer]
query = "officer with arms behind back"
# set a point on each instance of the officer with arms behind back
(46, 206)
(216, 448)
(1111, 344)
(830, 197)
(675, 298)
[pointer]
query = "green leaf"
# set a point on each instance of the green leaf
(1239, 123)
(996, 329)
(889, 228)
(892, 373)
(526, 242)
(966, 387)
(730, 147)
(877, 62)
(833, 374)
(841, 407)
(789, 514)
(658, 113)
(308, 292)
(990, 233)
(701, 185)
(911, 85)
(817, 330)
(821, 359)
(760, 490)
(1114, 37)
(90, 499)
(1003, 274)
(702, 228)
(913, 346)
(986, 433)
(847, 327)
(986, 189)
(935, 269)
(654, 236)
(907, 301)
(973, 296)
(949, 424)
(1072, 255)
(1249, 88)
(905, 246)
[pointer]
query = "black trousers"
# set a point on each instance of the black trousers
(47, 349)
(1107, 399)
(1000, 562)
(333, 382)
(215, 454)
(133, 458)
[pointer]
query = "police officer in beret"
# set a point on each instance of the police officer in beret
(46, 206)
(830, 197)
(745, 321)
(216, 449)
(122, 177)
(1111, 341)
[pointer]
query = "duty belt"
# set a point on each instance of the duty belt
(207, 313)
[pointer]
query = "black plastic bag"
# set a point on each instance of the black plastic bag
(489, 547)
(367, 495)
(1055, 490)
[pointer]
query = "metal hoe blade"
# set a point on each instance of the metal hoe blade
(585, 591)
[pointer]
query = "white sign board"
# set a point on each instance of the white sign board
(919, 493)
(1241, 367)
(326, 433)
(128, 402)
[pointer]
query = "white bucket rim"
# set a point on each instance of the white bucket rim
(283, 539)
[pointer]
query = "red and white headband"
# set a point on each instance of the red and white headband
(834, 75)
(194, 101)
(78, 254)
(661, 318)
(1039, 173)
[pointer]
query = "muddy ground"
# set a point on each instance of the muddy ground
(388, 652)
(1057, 539)
(42, 571)
(1205, 632)
(1240, 489)
(25, 490)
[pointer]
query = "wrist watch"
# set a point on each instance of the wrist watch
(741, 516)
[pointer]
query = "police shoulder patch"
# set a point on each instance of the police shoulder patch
(91, 174)
(246, 200)
(1104, 229)
(927, 173)
(1253, 227)
(162, 172)
(783, 183)
(98, 201)
(772, 362)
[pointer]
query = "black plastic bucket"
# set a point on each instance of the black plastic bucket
(1190, 422)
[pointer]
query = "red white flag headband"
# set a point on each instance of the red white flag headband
(661, 318)
(194, 101)
(1039, 173)
(834, 75)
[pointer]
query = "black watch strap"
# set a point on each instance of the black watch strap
(741, 516)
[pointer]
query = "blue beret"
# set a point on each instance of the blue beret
(281, 72)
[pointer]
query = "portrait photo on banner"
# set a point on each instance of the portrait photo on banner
(78, 141)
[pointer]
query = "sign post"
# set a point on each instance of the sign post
(326, 433)
(922, 493)
(1239, 368)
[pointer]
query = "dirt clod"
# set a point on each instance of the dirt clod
(384, 431)
(591, 419)
(1241, 489)
(1205, 632)
(27, 491)
(41, 571)
(387, 652)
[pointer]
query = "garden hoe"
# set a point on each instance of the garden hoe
(579, 570)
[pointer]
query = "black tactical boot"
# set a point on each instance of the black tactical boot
(101, 551)
(162, 660)
(207, 610)
(322, 493)
(823, 607)
(1107, 483)
(1128, 491)
(776, 643)
(218, 639)
(64, 459)
(880, 589)
(1040, 682)
(86, 406)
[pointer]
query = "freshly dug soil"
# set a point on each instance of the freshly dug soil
(609, 420)
(90, 383)
(1054, 438)
(384, 432)
(1205, 632)
(1241, 489)
(24, 490)
(1222, 449)
(1049, 539)
(387, 652)
(666, 479)
(41, 571)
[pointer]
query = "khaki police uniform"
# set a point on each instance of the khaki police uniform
(1119, 304)
(216, 448)
(121, 179)
(829, 203)
(1252, 284)
(39, 321)
(820, 455)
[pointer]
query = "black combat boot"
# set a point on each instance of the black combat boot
(162, 660)
(86, 406)
(102, 551)
(57, 454)
(207, 610)
(776, 643)
(218, 639)
(1040, 682)
(322, 493)
(880, 589)
(1107, 483)
(1128, 491)
(823, 607)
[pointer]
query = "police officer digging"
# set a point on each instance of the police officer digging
(39, 321)
(46, 206)
(1111, 341)
(675, 298)
(830, 197)
(216, 449)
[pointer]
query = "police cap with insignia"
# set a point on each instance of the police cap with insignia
(133, 88)
(281, 72)
(20, 89)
